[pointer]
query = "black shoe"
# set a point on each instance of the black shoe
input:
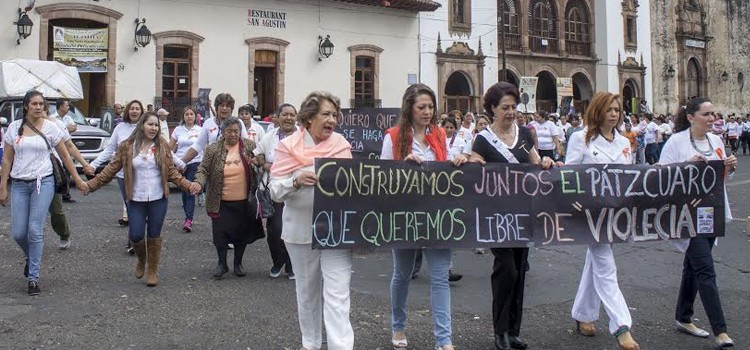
(517, 343)
(221, 269)
(502, 342)
(239, 271)
(34, 288)
(454, 277)
(26, 269)
(275, 271)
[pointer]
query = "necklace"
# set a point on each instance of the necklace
(708, 152)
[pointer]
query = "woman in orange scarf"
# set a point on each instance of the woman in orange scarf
(322, 276)
(418, 138)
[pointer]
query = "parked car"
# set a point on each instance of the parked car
(89, 140)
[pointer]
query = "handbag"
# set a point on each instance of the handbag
(263, 197)
(62, 182)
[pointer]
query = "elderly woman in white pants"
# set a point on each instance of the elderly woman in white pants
(600, 143)
(322, 276)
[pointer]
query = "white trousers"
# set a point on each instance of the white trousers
(599, 286)
(322, 281)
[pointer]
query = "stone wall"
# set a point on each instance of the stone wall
(728, 50)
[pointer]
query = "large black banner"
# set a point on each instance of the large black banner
(387, 204)
(365, 128)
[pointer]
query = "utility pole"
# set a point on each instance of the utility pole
(502, 28)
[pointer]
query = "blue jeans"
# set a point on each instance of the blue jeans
(143, 215)
(439, 262)
(188, 200)
(28, 210)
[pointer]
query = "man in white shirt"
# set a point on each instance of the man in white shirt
(663, 132)
(649, 137)
(162, 114)
(62, 107)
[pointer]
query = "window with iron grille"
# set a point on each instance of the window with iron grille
(508, 18)
(542, 27)
(578, 39)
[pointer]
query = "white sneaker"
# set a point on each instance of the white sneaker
(230, 246)
(64, 244)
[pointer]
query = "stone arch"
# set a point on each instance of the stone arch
(269, 44)
(182, 38)
(89, 12)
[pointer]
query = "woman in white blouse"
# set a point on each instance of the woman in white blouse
(26, 161)
(147, 164)
(600, 143)
(455, 142)
(183, 137)
(547, 134)
(693, 141)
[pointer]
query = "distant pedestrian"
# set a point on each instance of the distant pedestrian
(147, 165)
(183, 137)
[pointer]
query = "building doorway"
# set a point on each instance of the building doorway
(458, 93)
(693, 81)
(94, 84)
(582, 92)
(630, 96)
(264, 86)
(546, 92)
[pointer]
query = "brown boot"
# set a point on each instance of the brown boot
(140, 253)
(154, 252)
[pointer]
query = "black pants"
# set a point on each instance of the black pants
(276, 246)
(699, 276)
(546, 153)
(652, 153)
(744, 140)
(508, 277)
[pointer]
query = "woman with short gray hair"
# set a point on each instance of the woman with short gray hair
(227, 169)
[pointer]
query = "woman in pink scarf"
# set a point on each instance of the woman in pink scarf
(322, 276)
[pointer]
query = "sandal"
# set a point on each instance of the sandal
(627, 342)
(399, 344)
(585, 328)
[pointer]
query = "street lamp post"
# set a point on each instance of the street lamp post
(502, 28)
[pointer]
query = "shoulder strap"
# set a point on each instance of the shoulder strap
(499, 146)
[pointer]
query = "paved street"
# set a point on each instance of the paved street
(90, 301)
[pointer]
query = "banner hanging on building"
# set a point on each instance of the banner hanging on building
(83, 48)
(527, 92)
(397, 204)
(365, 128)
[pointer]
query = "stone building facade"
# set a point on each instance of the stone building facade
(701, 48)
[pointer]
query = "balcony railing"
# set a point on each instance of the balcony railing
(543, 45)
(579, 48)
(369, 103)
(512, 41)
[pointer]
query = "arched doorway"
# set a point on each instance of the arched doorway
(693, 80)
(546, 92)
(630, 96)
(511, 77)
(458, 93)
(582, 92)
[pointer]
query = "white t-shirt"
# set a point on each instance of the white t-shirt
(67, 120)
(746, 126)
(650, 135)
(210, 133)
(544, 134)
(66, 135)
(185, 139)
(255, 132)
(663, 132)
(164, 128)
(733, 129)
(457, 144)
(31, 160)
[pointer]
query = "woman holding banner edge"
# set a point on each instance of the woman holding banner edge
(693, 141)
(600, 143)
(418, 138)
(505, 141)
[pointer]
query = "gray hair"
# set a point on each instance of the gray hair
(229, 122)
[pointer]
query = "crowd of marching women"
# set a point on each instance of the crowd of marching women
(248, 174)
